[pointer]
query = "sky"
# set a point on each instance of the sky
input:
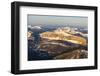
(45, 20)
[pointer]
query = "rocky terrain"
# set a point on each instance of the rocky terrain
(61, 43)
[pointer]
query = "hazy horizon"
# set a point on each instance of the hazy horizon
(45, 20)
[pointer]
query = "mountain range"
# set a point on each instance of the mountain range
(59, 43)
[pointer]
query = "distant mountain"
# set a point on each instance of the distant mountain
(67, 30)
(34, 27)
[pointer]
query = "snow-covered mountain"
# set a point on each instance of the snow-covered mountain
(34, 27)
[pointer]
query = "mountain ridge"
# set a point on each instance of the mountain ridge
(65, 34)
